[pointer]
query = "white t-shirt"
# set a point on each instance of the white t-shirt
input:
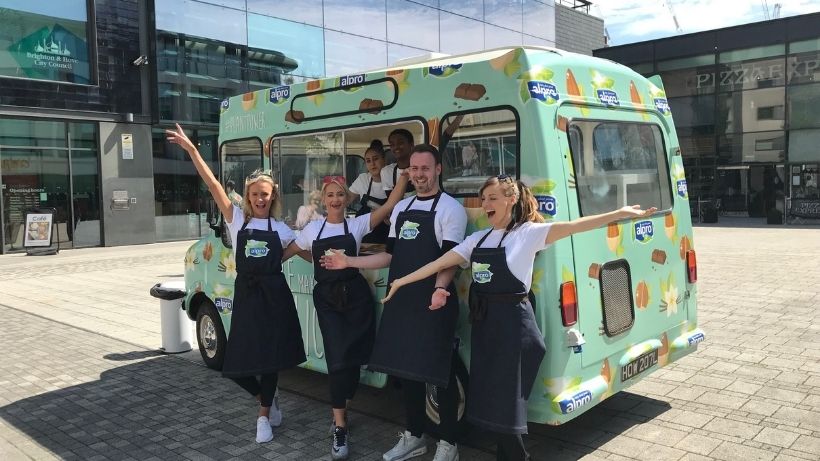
(286, 234)
(450, 221)
(361, 184)
(358, 227)
(387, 176)
(521, 246)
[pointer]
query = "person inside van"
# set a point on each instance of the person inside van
(506, 345)
(401, 143)
(233, 196)
(344, 302)
(266, 336)
(309, 211)
(368, 191)
(414, 343)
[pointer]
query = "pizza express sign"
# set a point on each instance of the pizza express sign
(52, 54)
(749, 73)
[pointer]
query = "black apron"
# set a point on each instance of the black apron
(265, 335)
(506, 346)
(414, 342)
(344, 306)
(379, 233)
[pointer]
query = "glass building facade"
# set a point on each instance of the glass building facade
(746, 105)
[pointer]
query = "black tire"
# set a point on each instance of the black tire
(463, 383)
(210, 335)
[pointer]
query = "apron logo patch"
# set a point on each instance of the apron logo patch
(409, 231)
(256, 249)
(330, 252)
(481, 273)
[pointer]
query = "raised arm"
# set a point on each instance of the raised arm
(446, 261)
(293, 249)
(339, 260)
(179, 138)
(560, 230)
(396, 195)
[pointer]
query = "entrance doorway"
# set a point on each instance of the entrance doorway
(754, 191)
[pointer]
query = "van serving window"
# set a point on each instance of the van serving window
(618, 164)
(475, 145)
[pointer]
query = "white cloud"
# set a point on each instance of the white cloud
(629, 21)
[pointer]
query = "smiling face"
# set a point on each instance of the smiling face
(424, 173)
(497, 206)
(375, 162)
(260, 196)
(401, 146)
(334, 199)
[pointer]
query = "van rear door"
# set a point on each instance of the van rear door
(630, 276)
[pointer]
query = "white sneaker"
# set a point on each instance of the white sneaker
(446, 452)
(408, 447)
(275, 415)
(263, 431)
(341, 440)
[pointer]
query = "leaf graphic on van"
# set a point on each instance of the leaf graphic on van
(537, 73)
(222, 291)
(567, 275)
(543, 187)
(537, 275)
(600, 81)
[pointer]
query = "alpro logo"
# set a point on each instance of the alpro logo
(409, 230)
(442, 71)
(608, 97)
(224, 305)
(695, 338)
(279, 95)
(351, 80)
(575, 402)
(543, 91)
(662, 105)
(547, 204)
(481, 273)
(644, 230)
(256, 249)
(224, 105)
(683, 190)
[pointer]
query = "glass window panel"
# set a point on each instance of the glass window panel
(702, 147)
(539, 19)
(236, 4)
(470, 8)
(749, 75)
(202, 20)
(504, 13)
(38, 43)
(460, 35)
(646, 69)
(803, 146)
(85, 181)
(685, 63)
(804, 67)
(360, 17)
(411, 24)
(752, 53)
(294, 48)
(805, 46)
(753, 110)
(804, 106)
(308, 12)
(627, 165)
(694, 114)
(495, 37)
(397, 52)
(752, 147)
(535, 41)
(348, 54)
(482, 144)
(83, 135)
(32, 133)
(689, 81)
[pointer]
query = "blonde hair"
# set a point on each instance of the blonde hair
(525, 208)
(275, 201)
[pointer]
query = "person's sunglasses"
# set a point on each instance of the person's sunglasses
(330, 179)
(505, 178)
(259, 173)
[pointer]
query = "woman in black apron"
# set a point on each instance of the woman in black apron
(372, 196)
(506, 345)
(344, 302)
(265, 334)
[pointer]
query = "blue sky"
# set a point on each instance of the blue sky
(629, 21)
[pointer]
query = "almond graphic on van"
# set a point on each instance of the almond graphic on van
(470, 91)
(685, 246)
(594, 271)
(374, 106)
(659, 256)
(670, 226)
(294, 116)
(642, 295)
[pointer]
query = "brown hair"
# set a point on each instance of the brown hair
(525, 208)
(275, 201)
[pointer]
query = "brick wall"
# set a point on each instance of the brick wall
(577, 31)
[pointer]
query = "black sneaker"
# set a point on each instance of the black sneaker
(340, 443)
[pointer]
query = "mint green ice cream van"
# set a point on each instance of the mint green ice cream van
(587, 135)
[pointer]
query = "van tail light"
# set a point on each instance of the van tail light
(569, 304)
(692, 266)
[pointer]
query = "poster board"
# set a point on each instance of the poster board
(39, 231)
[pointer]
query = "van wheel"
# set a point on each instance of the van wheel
(431, 401)
(210, 335)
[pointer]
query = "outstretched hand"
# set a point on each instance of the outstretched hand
(335, 260)
(179, 138)
(394, 287)
(635, 211)
(439, 299)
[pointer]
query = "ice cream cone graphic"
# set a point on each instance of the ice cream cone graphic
(670, 226)
(614, 237)
(636, 99)
(663, 353)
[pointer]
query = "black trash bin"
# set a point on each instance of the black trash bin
(708, 212)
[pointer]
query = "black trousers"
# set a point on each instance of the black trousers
(415, 395)
(264, 386)
(343, 385)
(511, 448)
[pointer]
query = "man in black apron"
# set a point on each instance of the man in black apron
(416, 337)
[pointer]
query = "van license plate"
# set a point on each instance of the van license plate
(639, 365)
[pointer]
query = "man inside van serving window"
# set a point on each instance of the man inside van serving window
(416, 337)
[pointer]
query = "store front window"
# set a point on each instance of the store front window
(50, 164)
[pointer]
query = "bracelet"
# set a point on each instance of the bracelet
(441, 288)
